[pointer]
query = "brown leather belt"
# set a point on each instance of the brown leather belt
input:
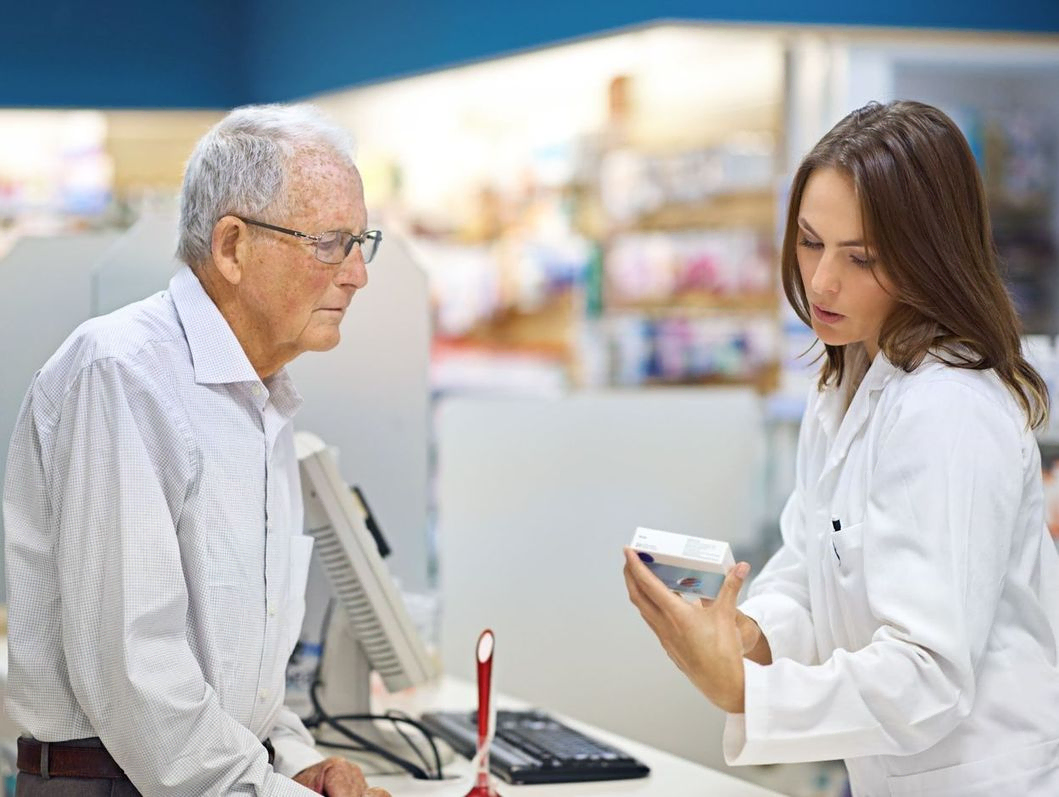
(66, 760)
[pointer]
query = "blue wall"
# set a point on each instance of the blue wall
(359, 44)
(122, 53)
(219, 53)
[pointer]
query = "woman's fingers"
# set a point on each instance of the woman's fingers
(649, 589)
(728, 595)
(650, 585)
(648, 609)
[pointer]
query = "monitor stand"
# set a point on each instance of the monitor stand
(345, 688)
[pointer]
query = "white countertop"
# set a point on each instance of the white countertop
(670, 776)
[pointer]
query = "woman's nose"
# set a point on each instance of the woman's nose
(826, 277)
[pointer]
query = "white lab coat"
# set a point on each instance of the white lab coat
(919, 642)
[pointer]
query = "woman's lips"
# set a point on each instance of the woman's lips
(826, 316)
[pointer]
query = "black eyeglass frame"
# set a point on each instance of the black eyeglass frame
(368, 235)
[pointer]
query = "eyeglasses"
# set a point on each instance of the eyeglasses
(332, 246)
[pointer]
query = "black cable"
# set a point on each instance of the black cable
(369, 745)
(340, 746)
(408, 740)
(395, 718)
(320, 717)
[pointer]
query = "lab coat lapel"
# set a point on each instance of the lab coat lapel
(842, 429)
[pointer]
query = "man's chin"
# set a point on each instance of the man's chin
(323, 341)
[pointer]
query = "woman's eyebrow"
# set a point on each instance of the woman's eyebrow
(808, 228)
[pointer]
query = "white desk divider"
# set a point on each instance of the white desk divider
(140, 262)
(536, 498)
(369, 397)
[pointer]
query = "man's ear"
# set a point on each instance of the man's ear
(228, 247)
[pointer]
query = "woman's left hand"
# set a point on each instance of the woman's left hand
(703, 641)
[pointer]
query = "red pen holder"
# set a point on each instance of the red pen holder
(483, 786)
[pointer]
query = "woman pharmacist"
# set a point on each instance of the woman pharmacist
(908, 623)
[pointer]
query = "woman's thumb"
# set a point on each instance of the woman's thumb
(733, 582)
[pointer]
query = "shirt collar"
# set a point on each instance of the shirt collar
(285, 397)
(216, 354)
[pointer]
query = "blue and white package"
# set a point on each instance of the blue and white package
(680, 561)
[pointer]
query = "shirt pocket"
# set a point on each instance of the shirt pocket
(1027, 771)
(301, 549)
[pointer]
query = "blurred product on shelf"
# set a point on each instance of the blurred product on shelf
(719, 269)
(690, 350)
(56, 175)
(635, 184)
(1020, 173)
(462, 368)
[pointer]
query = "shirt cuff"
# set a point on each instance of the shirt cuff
(292, 756)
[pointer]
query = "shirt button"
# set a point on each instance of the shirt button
(263, 694)
(256, 390)
(271, 607)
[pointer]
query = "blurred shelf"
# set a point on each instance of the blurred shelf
(545, 330)
(755, 209)
(764, 380)
(702, 301)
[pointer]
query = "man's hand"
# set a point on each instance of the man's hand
(337, 777)
(704, 641)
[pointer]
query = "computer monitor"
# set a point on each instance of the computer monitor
(370, 628)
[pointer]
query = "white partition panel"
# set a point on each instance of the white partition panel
(536, 499)
(369, 398)
(44, 295)
(139, 263)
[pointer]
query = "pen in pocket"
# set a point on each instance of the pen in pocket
(836, 525)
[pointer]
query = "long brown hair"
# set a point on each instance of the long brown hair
(926, 222)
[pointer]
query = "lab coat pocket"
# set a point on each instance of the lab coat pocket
(846, 553)
(301, 549)
(1027, 771)
(847, 560)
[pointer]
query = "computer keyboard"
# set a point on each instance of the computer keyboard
(532, 747)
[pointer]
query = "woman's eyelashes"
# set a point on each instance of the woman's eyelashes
(861, 262)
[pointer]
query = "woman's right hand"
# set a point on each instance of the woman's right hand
(755, 645)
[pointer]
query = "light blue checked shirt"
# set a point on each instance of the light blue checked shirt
(156, 563)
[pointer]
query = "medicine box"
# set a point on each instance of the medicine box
(679, 560)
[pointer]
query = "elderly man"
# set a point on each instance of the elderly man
(156, 560)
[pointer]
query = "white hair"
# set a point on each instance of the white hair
(240, 166)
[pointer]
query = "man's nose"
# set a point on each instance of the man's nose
(353, 270)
